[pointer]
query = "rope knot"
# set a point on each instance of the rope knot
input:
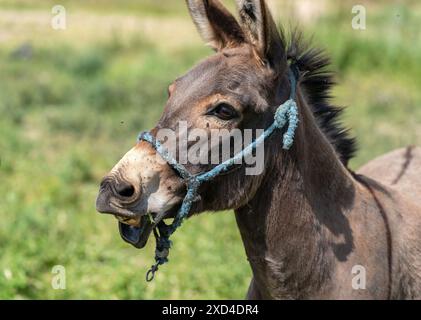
(281, 115)
(287, 113)
(163, 247)
(162, 255)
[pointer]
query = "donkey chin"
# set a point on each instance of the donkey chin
(140, 192)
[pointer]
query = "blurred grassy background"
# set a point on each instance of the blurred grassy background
(73, 101)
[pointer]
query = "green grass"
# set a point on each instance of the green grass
(151, 7)
(73, 107)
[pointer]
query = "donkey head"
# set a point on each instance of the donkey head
(239, 87)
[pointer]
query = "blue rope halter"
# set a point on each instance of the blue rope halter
(286, 113)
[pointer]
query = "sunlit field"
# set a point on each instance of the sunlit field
(73, 101)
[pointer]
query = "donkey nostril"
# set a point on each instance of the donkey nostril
(125, 190)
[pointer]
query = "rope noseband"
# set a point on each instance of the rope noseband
(287, 113)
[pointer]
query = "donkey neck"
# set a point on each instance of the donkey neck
(300, 207)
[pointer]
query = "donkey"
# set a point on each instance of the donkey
(308, 223)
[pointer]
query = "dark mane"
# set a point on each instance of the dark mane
(317, 82)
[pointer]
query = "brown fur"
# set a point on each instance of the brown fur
(307, 220)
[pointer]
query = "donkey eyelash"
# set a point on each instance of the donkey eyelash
(223, 111)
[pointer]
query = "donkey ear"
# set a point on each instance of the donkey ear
(261, 31)
(216, 24)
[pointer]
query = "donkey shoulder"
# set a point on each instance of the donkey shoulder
(399, 172)
(399, 169)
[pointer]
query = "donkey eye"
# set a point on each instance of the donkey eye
(224, 112)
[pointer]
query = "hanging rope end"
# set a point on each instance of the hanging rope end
(288, 113)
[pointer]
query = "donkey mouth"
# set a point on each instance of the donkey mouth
(138, 234)
(135, 225)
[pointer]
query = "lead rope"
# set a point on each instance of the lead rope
(287, 113)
